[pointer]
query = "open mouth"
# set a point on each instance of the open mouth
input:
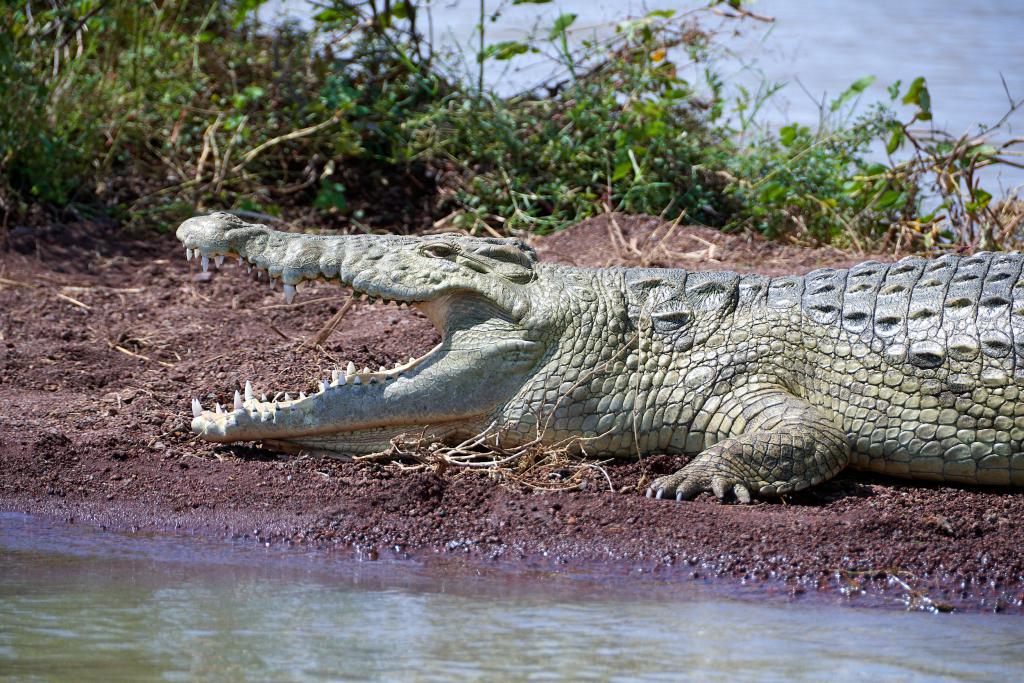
(464, 286)
(249, 409)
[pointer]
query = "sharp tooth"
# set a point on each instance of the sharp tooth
(238, 401)
(350, 369)
(248, 269)
(323, 385)
(188, 254)
(365, 371)
(337, 377)
(263, 397)
(273, 282)
(302, 395)
(248, 390)
(357, 380)
(382, 369)
(241, 261)
(197, 408)
(287, 397)
(205, 261)
(289, 293)
(219, 260)
(220, 410)
(411, 359)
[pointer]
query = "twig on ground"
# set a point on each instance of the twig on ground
(278, 332)
(320, 337)
(322, 299)
(139, 355)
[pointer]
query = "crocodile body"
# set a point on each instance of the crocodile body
(774, 384)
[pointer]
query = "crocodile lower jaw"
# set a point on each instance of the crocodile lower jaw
(247, 408)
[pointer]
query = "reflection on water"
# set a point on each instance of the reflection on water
(78, 604)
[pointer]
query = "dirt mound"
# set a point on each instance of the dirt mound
(104, 339)
(619, 240)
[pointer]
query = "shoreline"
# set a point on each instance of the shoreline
(97, 392)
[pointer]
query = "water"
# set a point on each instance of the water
(80, 604)
(963, 49)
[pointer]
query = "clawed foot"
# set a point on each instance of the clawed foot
(690, 481)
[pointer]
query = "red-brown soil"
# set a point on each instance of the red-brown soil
(105, 338)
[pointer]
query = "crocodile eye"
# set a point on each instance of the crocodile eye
(438, 251)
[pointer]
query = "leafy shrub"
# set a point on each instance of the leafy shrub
(153, 111)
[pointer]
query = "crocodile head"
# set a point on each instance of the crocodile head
(477, 292)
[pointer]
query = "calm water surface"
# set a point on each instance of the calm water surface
(84, 605)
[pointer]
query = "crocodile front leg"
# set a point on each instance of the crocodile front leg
(788, 446)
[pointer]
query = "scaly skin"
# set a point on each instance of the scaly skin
(911, 369)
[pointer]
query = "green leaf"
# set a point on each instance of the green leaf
(331, 196)
(243, 8)
(889, 198)
(506, 49)
(400, 10)
(856, 88)
(622, 169)
(894, 90)
(914, 90)
(253, 92)
(787, 134)
(561, 23)
(918, 94)
(333, 14)
(875, 169)
(924, 100)
(981, 199)
(895, 140)
(661, 13)
(772, 192)
(984, 151)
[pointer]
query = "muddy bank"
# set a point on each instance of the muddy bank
(104, 339)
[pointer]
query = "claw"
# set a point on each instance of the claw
(742, 493)
(650, 492)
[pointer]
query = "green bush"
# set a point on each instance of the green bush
(152, 111)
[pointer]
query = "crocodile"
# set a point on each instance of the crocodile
(773, 384)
